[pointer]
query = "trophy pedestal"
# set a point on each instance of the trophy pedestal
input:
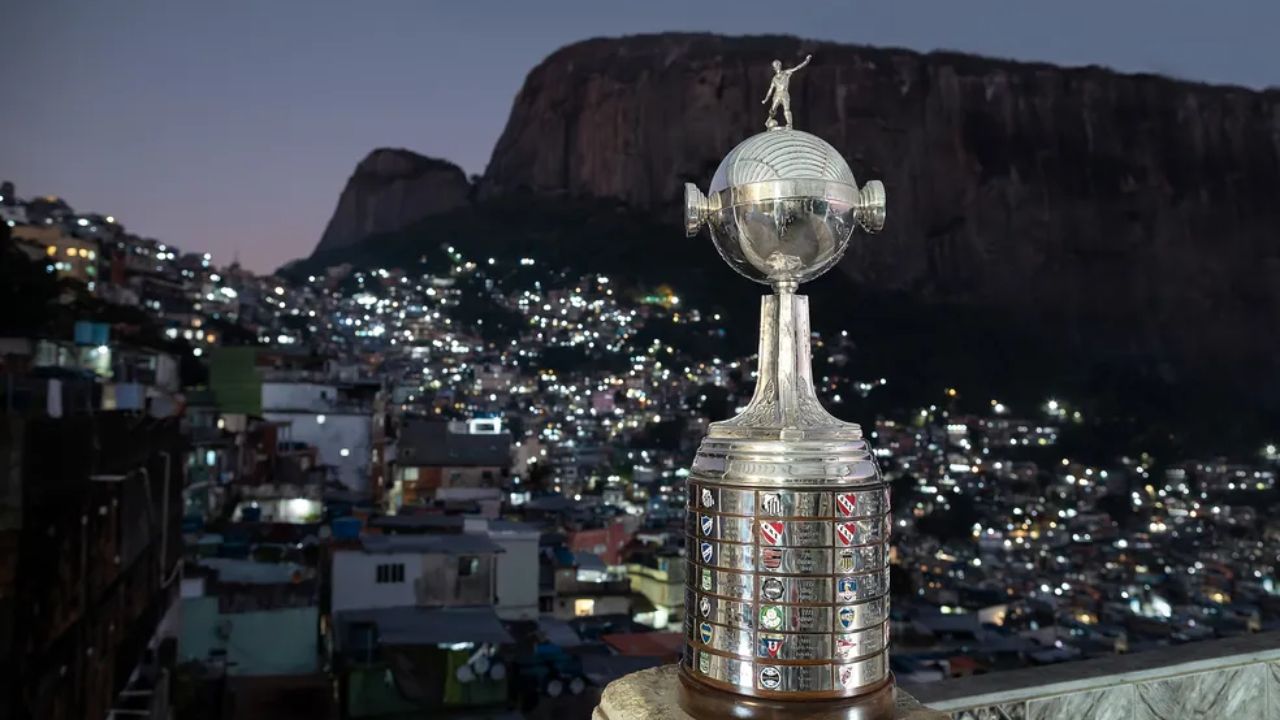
(658, 694)
(707, 703)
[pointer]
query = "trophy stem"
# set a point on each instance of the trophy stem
(785, 405)
(791, 360)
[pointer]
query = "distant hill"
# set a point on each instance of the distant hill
(389, 190)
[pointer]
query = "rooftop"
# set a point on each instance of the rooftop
(422, 521)
(430, 442)
(647, 644)
(430, 626)
(446, 544)
(558, 632)
(252, 572)
(513, 527)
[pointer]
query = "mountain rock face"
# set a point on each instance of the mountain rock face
(1128, 216)
(392, 189)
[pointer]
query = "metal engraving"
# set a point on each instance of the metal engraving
(851, 504)
(861, 674)
(797, 589)
(721, 583)
(798, 561)
(779, 645)
(722, 611)
(837, 680)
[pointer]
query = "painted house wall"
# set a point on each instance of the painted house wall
(517, 575)
(430, 580)
(267, 642)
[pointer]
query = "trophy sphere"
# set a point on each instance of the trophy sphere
(782, 206)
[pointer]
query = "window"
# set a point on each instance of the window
(409, 474)
(390, 573)
(468, 566)
(584, 607)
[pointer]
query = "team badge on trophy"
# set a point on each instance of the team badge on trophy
(847, 532)
(846, 588)
(770, 645)
(847, 503)
(771, 532)
(846, 617)
(771, 504)
(846, 648)
(771, 617)
(772, 589)
(771, 558)
(770, 677)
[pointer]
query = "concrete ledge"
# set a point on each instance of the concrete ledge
(1011, 686)
(651, 695)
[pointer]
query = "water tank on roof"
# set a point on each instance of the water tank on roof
(346, 528)
(92, 333)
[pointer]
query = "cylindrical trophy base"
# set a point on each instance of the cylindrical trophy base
(707, 703)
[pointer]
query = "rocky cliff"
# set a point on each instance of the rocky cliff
(1128, 216)
(389, 190)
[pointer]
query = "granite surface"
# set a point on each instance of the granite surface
(1273, 687)
(1236, 678)
(1007, 711)
(1235, 693)
(1107, 704)
(1096, 673)
(651, 695)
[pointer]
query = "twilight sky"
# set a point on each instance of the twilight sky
(231, 126)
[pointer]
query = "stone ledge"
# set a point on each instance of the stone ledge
(1082, 676)
(651, 695)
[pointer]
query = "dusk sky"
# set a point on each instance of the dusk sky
(231, 127)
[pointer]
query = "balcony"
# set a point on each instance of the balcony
(1236, 678)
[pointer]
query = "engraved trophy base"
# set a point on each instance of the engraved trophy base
(707, 703)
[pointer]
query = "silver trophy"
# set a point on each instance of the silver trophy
(787, 596)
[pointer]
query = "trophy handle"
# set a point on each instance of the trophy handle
(696, 209)
(871, 206)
